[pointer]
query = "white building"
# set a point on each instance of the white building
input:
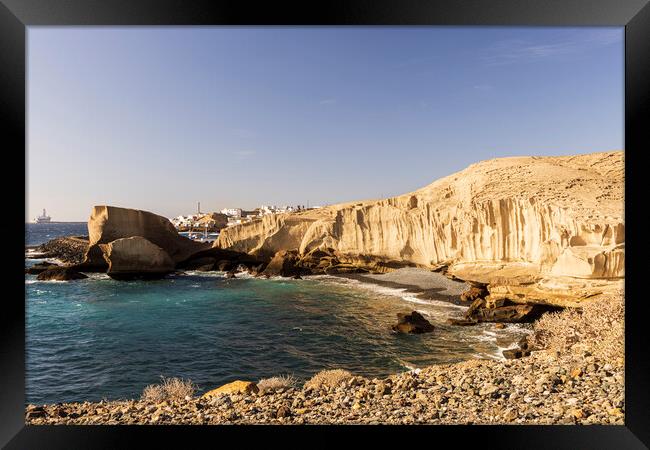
(231, 212)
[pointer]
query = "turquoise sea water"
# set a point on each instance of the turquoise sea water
(101, 338)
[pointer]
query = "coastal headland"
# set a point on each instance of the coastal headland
(525, 237)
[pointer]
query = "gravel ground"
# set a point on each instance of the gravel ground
(539, 389)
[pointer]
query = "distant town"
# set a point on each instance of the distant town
(228, 217)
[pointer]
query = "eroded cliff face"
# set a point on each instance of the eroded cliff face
(545, 216)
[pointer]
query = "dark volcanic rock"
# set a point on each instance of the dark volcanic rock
(40, 267)
(223, 265)
(516, 313)
(203, 264)
(61, 274)
(412, 323)
(258, 269)
(70, 250)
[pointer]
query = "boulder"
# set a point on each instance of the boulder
(110, 223)
(412, 323)
(283, 264)
(136, 258)
(61, 274)
(230, 274)
(236, 387)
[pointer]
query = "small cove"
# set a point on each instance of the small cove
(100, 338)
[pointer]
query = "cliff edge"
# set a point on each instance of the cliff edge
(542, 229)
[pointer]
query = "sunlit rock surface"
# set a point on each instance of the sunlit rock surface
(540, 218)
(108, 223)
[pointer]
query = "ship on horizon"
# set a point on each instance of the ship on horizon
(43, 218)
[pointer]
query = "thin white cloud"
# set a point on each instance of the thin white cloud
(519, 50)
(328, 101)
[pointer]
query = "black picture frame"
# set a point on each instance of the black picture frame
(16, 15)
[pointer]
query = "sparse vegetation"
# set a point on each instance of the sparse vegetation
(275, 383)
(328, 378)
(168, 389)
(597, 327)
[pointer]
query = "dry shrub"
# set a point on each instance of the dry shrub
(597, 327)
(170, 389)
(274, 383)
(328, 378)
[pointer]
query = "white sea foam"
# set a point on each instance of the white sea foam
(44, 281)
(97, 276)
(414, 299)
(243, 275)
(198, 273)
(402, 293)
(407, 365)
(495, 356)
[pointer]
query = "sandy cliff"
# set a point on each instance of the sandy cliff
(540, 218)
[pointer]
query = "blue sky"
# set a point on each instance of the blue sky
(158, 118)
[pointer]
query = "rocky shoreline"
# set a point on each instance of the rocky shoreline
(543, 386)
(540, 389)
